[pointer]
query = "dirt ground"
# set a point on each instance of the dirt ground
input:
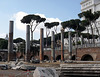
(20, 73)
(15, 73)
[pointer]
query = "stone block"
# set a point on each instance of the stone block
(45, 72)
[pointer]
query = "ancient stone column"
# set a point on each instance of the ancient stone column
(62, 44)
(41, 45)
(81, 41)
(10, 41)
(27, 52)
(76, 39)
(70, 45)
(76, 45)
(52, 47)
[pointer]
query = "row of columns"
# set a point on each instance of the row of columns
(52, 45)
(27, 52)
(10, 42)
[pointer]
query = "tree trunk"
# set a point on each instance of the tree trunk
(92, 35)
(88, 35)
(31, 34)
(46, 38)
(97, 29)
(31, 37)
(76, 43)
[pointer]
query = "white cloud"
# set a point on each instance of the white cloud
(20, 26)
(41, 15)
(2, 35)
(18, 16)
(53, 20)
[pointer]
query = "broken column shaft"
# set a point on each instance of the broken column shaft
(52, 47)
(27, 54)
(70, 45)
(10, 41)
(62, 44)
(41, 44)
(76, 45)
(81, 41)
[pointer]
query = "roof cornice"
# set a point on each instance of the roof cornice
(84, 1)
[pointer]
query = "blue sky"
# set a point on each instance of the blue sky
(62, 10)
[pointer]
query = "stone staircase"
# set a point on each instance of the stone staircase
(79, 70)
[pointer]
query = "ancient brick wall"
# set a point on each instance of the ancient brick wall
(94, 52)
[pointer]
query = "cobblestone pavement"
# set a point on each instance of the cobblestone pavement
(15, 73)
